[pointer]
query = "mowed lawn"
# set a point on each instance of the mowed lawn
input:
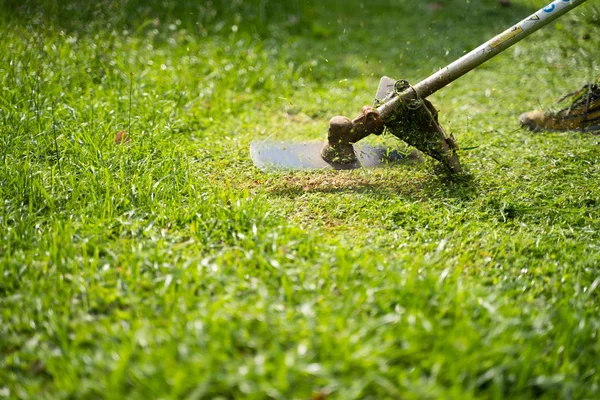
(142, 255)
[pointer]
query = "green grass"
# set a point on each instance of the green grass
(169, 267)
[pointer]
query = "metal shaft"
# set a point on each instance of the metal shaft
(483, 53)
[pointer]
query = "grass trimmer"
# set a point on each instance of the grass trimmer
(403, 110)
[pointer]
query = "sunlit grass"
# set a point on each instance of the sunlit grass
(167, 266)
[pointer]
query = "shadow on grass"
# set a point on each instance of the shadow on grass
(379, 185)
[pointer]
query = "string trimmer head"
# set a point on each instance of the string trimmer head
(404, 114)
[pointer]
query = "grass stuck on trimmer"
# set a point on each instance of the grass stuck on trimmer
(402, 110)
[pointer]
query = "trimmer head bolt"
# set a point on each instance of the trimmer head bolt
(339, 127)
